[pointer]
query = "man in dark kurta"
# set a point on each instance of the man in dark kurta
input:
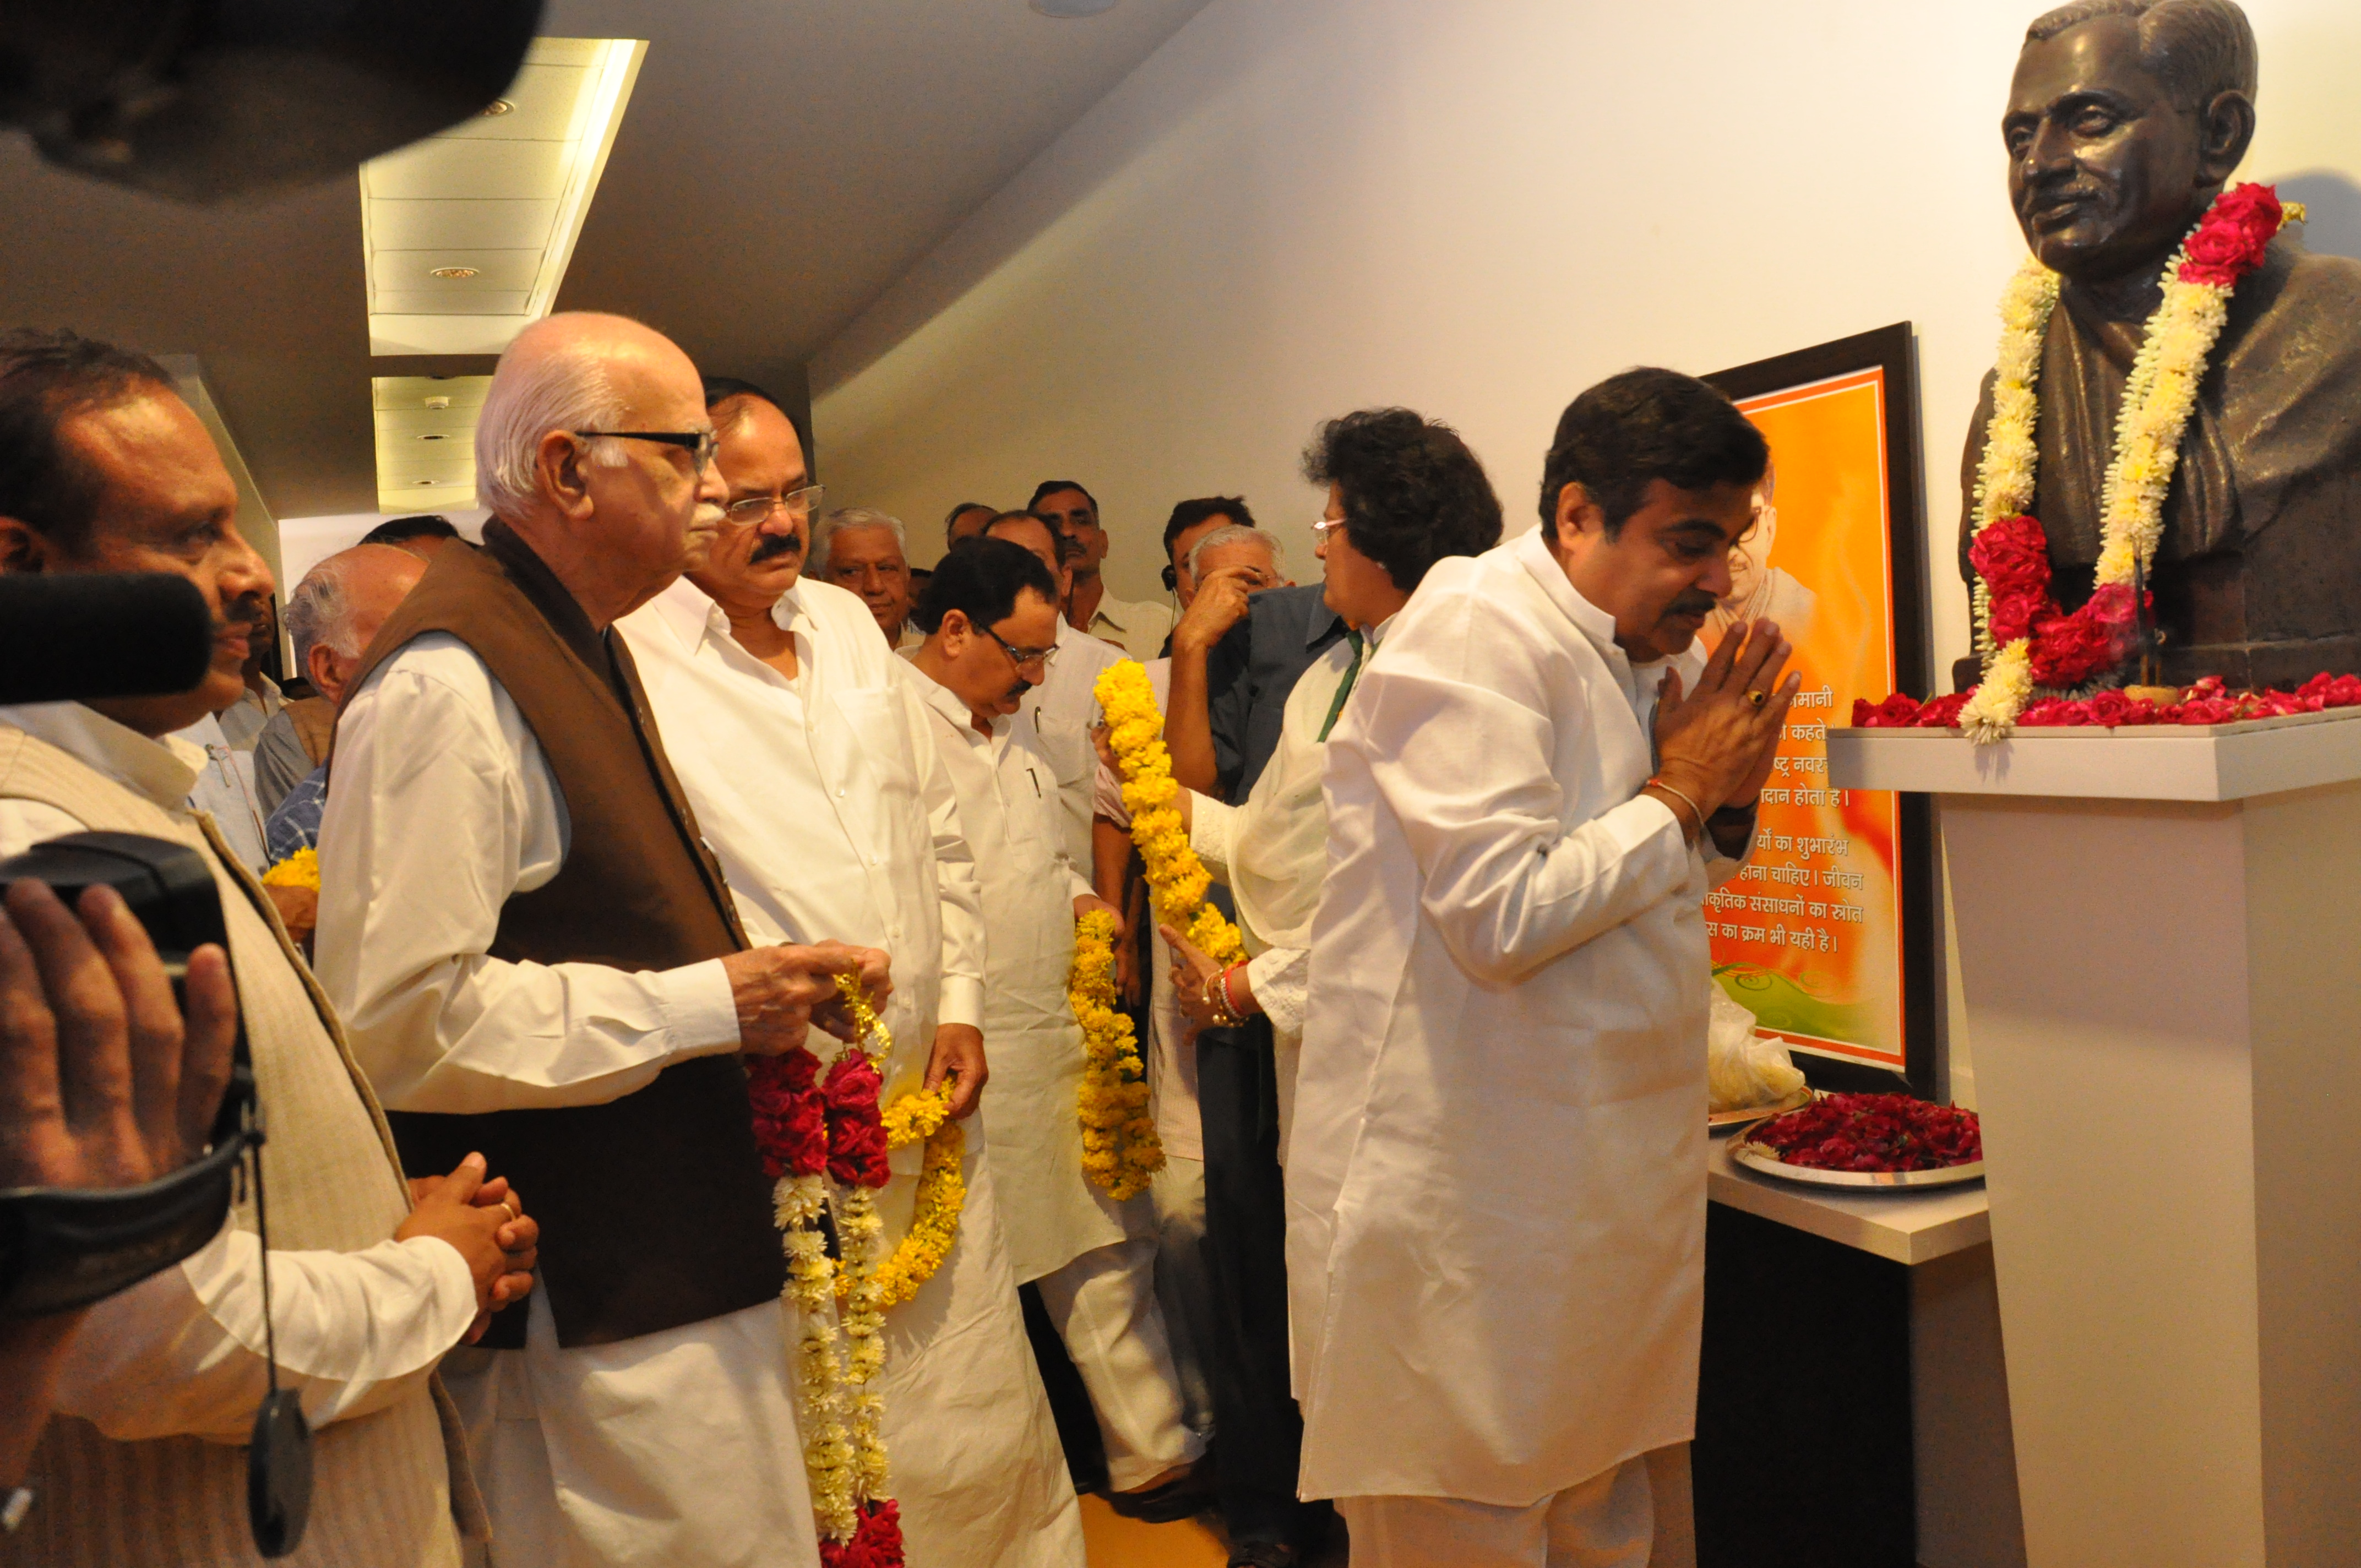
(2125, 119)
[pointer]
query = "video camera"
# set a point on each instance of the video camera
(99, 635)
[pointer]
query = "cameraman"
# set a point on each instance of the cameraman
(104, 468)
(99, 1088)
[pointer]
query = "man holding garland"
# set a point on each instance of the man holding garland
(1496, 1174)
(811, 766)
(540, 958)
(991, 619)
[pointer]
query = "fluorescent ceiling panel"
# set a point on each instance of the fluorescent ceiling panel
(426, 441)
(494, 206)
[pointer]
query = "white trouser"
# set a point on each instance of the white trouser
(1103, 1305)
(1609, 1521)
(1183, 1290)
(673, 1448)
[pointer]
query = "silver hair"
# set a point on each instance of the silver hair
(1239, 533)
(842, 518)
(321, 610)
(567, 389)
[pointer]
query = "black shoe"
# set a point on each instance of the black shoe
(1265, 1554)
(1176, 1499)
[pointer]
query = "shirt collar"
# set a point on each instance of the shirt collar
(163, 770)
(685, 609)
(1115, 612)
(1322, 623)
(945, 701)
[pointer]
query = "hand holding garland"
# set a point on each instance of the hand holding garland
(782, 990)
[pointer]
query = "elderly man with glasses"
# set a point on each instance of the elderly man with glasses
(538, 958)
(991, 619)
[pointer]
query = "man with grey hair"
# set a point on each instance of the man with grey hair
(866, 552)
(538, 956)
(332, 616)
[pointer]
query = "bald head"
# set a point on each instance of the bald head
(336, 609)
(617, 519)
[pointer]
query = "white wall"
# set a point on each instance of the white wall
(1297, 207)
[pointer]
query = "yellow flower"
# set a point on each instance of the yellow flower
(1119, 1153)
(301, 869)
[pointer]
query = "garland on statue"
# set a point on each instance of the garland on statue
(1120, 1148)
(2028, 644)
(811, 1130)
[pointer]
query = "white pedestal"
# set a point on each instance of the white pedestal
(2157, 936)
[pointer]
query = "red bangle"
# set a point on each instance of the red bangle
(1229, 1003)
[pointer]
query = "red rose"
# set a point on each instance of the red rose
(1942, 712)
(2233, 236)
(1894, 713)
(2110, 708)
(2073, 649)
(790, 1124)
(856, 1134)
(876, 1544)
(2012, 556)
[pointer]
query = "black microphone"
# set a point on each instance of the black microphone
(68, 636)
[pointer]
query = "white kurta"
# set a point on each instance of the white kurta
(834, 819)
(1062, 711)
(183, 1350)
(1272, 854)
(674, 1447)
(1009, 808)
(1496, 1189)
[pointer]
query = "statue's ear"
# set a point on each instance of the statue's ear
(2225, 127)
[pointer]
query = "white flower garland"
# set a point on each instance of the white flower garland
(2159, 395)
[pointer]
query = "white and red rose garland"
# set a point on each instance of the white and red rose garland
(2027, 642)
(812, 1129)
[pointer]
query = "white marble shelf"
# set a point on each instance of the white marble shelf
(2142, 762)
(1907, 1227)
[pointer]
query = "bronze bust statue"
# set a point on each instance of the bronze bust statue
(2125, 120)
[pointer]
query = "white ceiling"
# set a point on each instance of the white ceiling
(782, 161)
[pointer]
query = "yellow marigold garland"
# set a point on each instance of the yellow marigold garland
(301, 869)
(1120, 1148)
(1176, 876)
(925, 1116)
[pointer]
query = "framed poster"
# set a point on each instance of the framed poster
(1828, 935)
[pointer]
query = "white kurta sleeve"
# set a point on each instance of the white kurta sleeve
(1464, 765)
(960, 1000)
(1213, 829)
(1279, 978)
(440, 808)
(181, 1353)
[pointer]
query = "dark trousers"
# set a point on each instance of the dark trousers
(1257, 1427)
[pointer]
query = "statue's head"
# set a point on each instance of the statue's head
(2125, 120)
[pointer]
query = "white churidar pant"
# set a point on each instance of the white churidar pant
(1103, 1305)
(1607, 1522)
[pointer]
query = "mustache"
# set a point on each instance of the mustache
(777, 545)
(244, 617)
(1691, 603)
(1017, 693)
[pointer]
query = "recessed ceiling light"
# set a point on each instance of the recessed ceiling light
(1073, 7)
(496, 108)
(433, 438)
(437, 402)
(451, 272)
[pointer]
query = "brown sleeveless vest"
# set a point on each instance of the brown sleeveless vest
(653, 1207)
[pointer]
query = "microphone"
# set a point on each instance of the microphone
(68, 636)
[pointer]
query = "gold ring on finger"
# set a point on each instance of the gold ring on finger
(1758, 697)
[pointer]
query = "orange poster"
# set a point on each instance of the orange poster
(1809, 937)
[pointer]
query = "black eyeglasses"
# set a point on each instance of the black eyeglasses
(697, 443)
(795, 503)
(1023, 655)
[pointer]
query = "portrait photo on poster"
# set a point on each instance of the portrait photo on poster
(1830, 936)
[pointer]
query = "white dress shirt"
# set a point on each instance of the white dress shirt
(225, 790)
(1062, 710)
(181, 1351)
(1495, 1186)
(443, 808)
(823, 796)
(1010, 811)
(1139, 625)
